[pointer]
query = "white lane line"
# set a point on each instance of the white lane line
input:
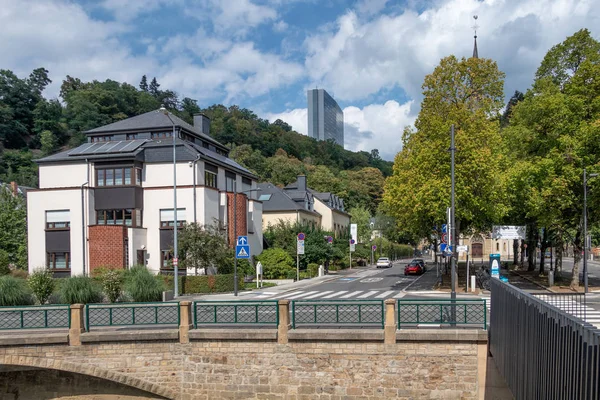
(318, 294)
(399, 295)
(262, 296)
(335, 294)
(287, 294)
(384, 294)
(351, 294)
(302, 295)
(368, 294)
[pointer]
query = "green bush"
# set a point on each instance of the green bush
(80, 290)
(41, 283)
(13, 292)
(112, 284)
(209, 284)
(4, 262)
(312, 269)
(19, 273)
(142, 285)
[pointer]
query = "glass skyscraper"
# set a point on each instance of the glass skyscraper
(325, 117)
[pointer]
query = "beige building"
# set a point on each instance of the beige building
(298, 203)
(482, 245)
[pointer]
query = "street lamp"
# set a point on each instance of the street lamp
(585, 231)
(235, 193)
(175, 253)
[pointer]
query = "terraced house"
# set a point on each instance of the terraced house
(109, 202)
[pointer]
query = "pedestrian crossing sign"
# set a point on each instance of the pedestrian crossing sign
(242, 251)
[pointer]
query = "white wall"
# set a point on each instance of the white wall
(326, 214)
(137, 239)
(60, 176)
(160, 175)
(256, 238)
(38, 202)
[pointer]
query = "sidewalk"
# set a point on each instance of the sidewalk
(304, 283)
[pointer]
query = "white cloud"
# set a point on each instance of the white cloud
(370, 7)
(128, 10)
(280, 26)
(356, 59)
(376, 126)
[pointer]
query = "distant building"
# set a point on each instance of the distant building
(325, 117)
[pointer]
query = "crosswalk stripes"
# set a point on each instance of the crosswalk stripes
(335, 294)
(330, 295)
(368, 294)
(384, 294)
(319, 294)
(347, 296)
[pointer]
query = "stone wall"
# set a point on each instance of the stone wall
(312, 365)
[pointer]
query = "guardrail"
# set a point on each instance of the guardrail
(35, 317)
(332, 313)
(412, 313)
(131, 314)
(236, 313)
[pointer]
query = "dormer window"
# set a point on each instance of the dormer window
(161, 135)
(132, 136)
(105, 138)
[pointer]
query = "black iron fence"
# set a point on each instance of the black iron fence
(572, 303)
(542, 351)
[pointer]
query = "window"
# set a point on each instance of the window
(127, 217)
(230, 179)
(210, 175)
(132, 136)
(167, 259)
(167, 218)
(96, 139)
(161, 135)
(265, 197)
(118, 176)
(58, 261)
(497, 246)
(58, 219)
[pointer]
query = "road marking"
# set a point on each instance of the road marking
(368, 294)
(399, 295)
(384, 294)
(335, 294)
(288, 294)
(302, 295)
(371, 280)
(318, 294)
(351, 294)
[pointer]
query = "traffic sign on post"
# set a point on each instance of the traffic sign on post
(444, 238)
(301, 236)
(242, 249)
(374, 247)
(329, 239)
(175, 261)
(444, 228)
(300, 247)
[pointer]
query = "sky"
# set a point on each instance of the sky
(370, 55)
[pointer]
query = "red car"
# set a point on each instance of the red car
(413, 268)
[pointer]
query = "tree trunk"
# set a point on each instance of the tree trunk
(577, 248)
(516, 251)
(559, 255)
(531, 247)
(544, 246)
(523, 249)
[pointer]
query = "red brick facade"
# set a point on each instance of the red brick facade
(107, 246)
(241, 215)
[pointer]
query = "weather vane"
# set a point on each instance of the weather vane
(475, 26)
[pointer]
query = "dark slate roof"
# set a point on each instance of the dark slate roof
(151, 120)
(150, 151)
(279, 200)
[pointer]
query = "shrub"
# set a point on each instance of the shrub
(312, 269)
(4, 262)
(209, 284)
(41, 283)
(142, 285)
(112, 284)
(13, 292)
(19, 273)
(80, 290)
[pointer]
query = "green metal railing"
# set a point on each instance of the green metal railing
(236, 313)
(35, 317)
(440, 312)
(336, 313)
(132, 314)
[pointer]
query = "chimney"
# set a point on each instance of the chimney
(202, 122)
(15, 188)
(302, 183)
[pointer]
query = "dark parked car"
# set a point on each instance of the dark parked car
(414, 268)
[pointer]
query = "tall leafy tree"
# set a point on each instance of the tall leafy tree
(467, 93)
(144, 84)
(13, 227)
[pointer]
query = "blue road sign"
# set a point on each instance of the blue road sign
(242, 240)
(444, 248)
(242, 251)
(444, 228)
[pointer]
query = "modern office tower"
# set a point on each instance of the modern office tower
(325, 117)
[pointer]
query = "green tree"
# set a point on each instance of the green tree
(144, 84)
(361, 217)
(13, 227)
(48, 141)
(202, 247)
(41, 283)
(466, 93)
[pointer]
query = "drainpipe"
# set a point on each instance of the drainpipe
(83, 238)
(194, 166)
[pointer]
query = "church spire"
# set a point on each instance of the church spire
(475, 53)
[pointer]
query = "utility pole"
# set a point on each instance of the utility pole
(452, 240)
(585, 230)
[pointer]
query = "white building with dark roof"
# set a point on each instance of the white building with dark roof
(109, 202)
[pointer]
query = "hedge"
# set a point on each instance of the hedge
(206, 283)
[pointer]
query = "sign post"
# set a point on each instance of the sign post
(373, 248)
(299, 250)
(353, 240)
(242, 250)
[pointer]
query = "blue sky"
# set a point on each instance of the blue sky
(371, 55)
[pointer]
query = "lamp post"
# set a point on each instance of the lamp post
(452, 241)
(235, 193)
(175, 250)
(585, 230)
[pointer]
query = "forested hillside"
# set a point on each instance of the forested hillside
(32, 126)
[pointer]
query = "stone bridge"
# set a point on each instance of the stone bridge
(277, 363)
